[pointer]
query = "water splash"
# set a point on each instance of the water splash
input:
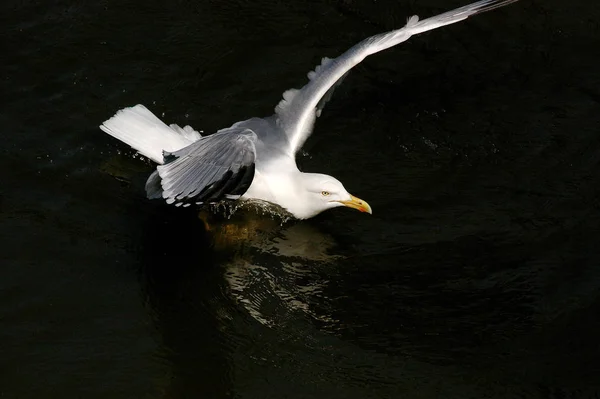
(228, 208)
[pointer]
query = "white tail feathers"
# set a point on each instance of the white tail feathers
(144, 132)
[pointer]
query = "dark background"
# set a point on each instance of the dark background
(477, 146)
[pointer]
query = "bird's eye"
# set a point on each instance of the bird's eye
(325, 193)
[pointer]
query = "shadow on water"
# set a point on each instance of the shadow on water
(177, 271)
(188, 295)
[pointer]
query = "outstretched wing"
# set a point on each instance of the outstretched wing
(215, 167)
(297, 111)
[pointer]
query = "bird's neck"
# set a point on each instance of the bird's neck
(284, 187)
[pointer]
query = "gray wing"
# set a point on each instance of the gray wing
(297, 112)
(218, 166)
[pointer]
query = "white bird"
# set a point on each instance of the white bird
(255, 158)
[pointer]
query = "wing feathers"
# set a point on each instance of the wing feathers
(296, 113)
(215, 167)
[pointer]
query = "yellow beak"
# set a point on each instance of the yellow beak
(357, 203)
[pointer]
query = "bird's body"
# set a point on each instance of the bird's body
(255, 158)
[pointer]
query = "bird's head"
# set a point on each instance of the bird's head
(322, 192)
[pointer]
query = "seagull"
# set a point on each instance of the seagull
(255, 159)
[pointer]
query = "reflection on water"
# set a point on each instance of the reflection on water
(281, 273)
(270, 301)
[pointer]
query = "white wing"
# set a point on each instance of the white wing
(297, 111)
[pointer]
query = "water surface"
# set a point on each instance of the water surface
(477, 146)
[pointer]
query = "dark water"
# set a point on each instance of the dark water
(477, 146)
